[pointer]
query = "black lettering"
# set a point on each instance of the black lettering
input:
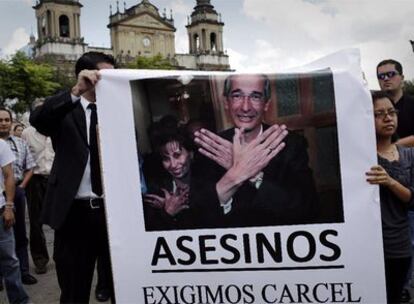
(349, 293)
(303, 290)
(191, 255)
(191, 294)
(274, 251)
(336, 289)
(204, 249)
(248, 292)
(264, 295)
(286, 293)
(162, 245)
(228, 294)
(290, 246)
(164, 294)
(213, 298)
(336, 251)
(315, 292)
(175, 288)
(148, 293)
(228, 247)
(247, 249)
(200, 289)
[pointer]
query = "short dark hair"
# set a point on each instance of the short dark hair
(380, 95)
(397, 65)
(266, 86)
(90, 61)
(8, 111)
(18, 125)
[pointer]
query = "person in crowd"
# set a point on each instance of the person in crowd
(395, 176)
(9, 262)
(260, 174)
(23, 171)
(391, 80)
(167, 200)
(73, 204)
(18, 130)
(42, 151)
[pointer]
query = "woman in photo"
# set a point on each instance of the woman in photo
(394, 174)
(167, 201)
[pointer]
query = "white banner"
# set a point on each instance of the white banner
(331, 254)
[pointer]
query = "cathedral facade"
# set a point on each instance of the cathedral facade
(136, 31)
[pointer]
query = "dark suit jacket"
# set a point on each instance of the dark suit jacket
(286, 196)
(64, 121)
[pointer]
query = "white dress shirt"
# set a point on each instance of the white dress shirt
(85, 187)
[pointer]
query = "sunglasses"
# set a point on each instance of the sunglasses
(388, 75)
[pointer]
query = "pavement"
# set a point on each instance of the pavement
(47, 289)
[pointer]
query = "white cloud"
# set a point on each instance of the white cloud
(181, 42)
(237, 60)
(301, 31)
(18, 39)
(180, 7)
(267, 58)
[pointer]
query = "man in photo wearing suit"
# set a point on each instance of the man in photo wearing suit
(73, 204)
(261, 174)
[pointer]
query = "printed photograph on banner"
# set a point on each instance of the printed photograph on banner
(238, 150)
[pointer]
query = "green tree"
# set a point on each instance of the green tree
(151, 63)
(24, 80)
(409, 87)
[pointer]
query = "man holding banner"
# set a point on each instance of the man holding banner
(73, 203)
(261, 176)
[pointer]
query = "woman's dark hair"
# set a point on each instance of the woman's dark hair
(166, 131)
(376, 95)
(379, 95)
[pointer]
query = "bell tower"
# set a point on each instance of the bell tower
(205, 29)
(205, 37)
(58, 28)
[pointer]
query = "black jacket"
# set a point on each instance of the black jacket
(286, 196)
(65, 122)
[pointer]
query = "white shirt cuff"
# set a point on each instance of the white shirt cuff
(74, 98)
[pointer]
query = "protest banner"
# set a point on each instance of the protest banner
(305, 230)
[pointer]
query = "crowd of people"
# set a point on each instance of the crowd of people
(252, 174)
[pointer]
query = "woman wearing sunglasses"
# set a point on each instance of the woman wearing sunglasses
(395, 176)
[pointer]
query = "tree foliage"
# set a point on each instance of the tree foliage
(151, 63)
(24, 80)
(409, 87)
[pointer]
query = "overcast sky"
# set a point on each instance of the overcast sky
(259, 35)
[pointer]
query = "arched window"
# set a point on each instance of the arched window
(63, 26)
(213, 42)
(196, 42)
(48, 23)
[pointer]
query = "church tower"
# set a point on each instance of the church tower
(58, 28)
(205, 37)
(205, 30)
